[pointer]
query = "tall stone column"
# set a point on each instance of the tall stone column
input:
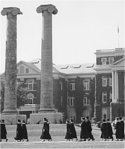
(46, 103)
(10, 101)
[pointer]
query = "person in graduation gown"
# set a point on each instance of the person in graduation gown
(122, 129)
(68, 131)
(89, 134)
(103, 130)
(118, 129)
(3, 131)
(45, 131)
(24, 131)
(109, 131)
(19, 131)
(73, 130)
(83, 130)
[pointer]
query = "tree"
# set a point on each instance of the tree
(21, 94)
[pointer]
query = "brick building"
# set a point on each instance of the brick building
(94, 90)
(110, 83)
(73, 88)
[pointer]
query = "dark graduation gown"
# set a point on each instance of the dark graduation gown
(109, 131)
(3, 131)
(19, 132)
(103, 130)
(45, 132)
(118, 130)
(68, 132)
(24, 131)
(83, 133)
(73, 131)
(122, 129)
(89, 130)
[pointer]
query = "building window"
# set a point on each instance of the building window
(27, 70)
(110, 96)
(104, 61)
(30, 84)
(72, 86)
(21, 69)
(86, 85)
(30, 98)
(71, 101)
(104, 81)
(85, 101)
(110, 81)
(111, 60)
(104, 97)
(61, 86)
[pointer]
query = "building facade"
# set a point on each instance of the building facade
(110, 83)
(94, 90)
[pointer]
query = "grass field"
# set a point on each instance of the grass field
(57, 132)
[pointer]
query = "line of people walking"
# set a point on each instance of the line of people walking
(107, 130)
(71, 134)
(85, 133)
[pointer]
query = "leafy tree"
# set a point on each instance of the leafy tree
(21, 94)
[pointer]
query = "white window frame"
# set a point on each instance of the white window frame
(72, 86)
(111, 60)
(104, 61)
(30, 84)
(86, 85)
(104, 81)
(85, 100)
(30, 96)
(104, 97)
(71, 101)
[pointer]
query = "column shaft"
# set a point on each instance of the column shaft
(10, 101)
(46, 102)
(113, 87)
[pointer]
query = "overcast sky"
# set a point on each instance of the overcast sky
(79, 29)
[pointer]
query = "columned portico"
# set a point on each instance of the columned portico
(115, 86)
(118, 89)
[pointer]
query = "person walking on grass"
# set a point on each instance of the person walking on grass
(24, 131)
(19, 131)
(109, 131)
(103, 130)
(83, 130)
(3, 131)
(73, 130)
(68, 131)
(45, 131)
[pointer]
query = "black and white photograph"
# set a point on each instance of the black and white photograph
(62, 74)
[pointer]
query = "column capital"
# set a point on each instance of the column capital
(10, 10)
(49, 8)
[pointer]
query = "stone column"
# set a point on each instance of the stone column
(116, 86)
(113, 87)
(10, 101)
(46, 103)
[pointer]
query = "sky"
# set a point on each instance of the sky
(79, 29)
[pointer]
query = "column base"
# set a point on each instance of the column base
(9, 111)
(11, 119)
(116, 110)
(53, 117)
